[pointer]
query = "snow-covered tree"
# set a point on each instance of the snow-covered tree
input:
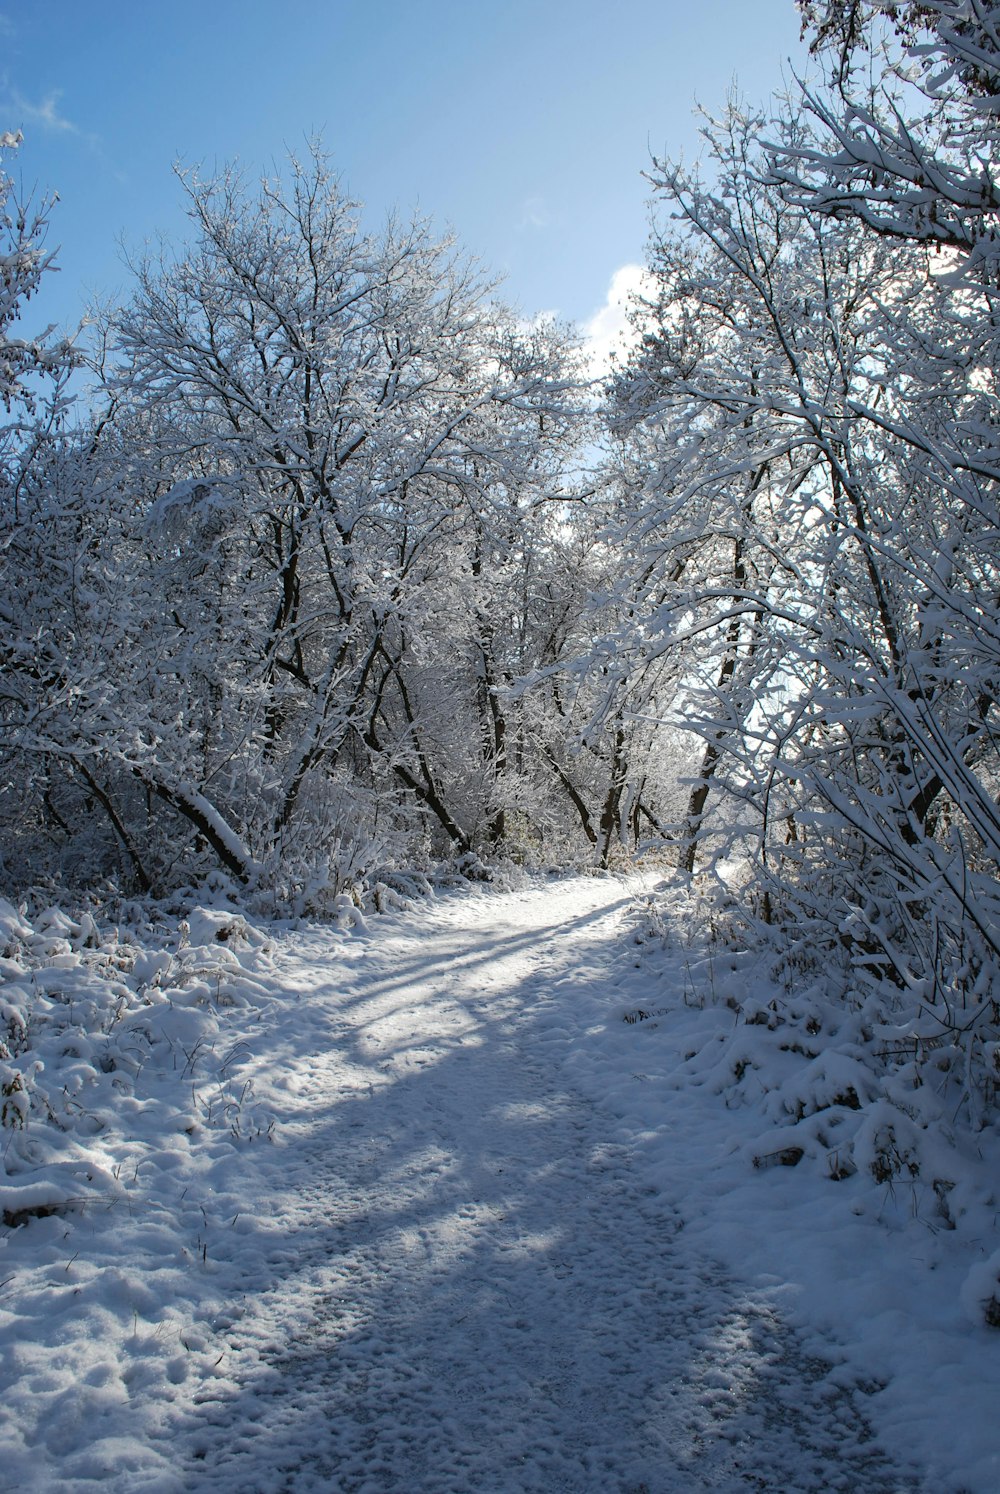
(301, 528)
(26, 363)
(908, 148)
(735, 433)
(810, 435)
(33, 374)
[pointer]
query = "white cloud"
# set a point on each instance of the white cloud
(46, 113)
(533, 214)
(608, 333)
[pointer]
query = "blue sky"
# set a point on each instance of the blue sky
(523, 125)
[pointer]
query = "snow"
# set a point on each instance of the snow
(456, 1197)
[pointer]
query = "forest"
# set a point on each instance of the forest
(500, 858)
(322, 568)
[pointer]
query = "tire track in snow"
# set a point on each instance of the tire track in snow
(477, 1292)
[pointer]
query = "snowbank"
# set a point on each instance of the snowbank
(823, 1163)
(125, 1113)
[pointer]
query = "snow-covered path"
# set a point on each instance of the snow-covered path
(466, 1284)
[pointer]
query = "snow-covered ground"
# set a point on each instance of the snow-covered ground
(451, 1201)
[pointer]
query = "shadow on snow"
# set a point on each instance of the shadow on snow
(479, 1293)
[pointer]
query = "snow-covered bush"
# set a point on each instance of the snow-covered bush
(99, 1021)
(845, 1079)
